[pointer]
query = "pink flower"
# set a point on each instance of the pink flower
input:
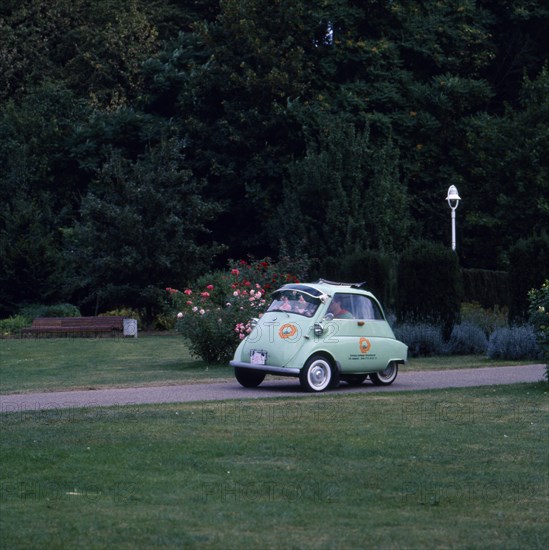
(188, 291)
(205, 294)
(235, 272)
(210, 287)
(179, 315)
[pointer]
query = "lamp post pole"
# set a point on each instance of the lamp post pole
(453, 199)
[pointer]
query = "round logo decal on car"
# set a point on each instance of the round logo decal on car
(364, 345)
(287, 331)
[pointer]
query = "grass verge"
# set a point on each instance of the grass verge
(70, 363)
(458, 468)
(79, 363)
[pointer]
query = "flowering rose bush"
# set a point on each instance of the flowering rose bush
(214, 314)
(539, 318)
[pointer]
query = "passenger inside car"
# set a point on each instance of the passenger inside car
(337, 309)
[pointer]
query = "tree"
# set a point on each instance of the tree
(40, 186)
(95, 48)
(141, 230)
(342, 196)
(508, 176)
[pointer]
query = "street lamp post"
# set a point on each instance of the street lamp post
(453, 199)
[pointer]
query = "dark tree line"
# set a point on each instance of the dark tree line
(141, 142)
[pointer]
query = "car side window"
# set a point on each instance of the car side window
(365, 308)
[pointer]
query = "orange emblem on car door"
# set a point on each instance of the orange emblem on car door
(287, 331)
(364, 345)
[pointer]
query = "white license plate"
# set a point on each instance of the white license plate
(258, 357)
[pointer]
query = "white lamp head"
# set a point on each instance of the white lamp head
(453, 195)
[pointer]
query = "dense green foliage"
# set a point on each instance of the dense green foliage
(539, 318)
(140, 139)
(486, 287)
(529, 261)
(429, 286)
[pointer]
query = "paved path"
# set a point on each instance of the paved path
(272, 387)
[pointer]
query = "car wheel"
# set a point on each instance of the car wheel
(249, 378)
(355, 379)
(385, 377)
(317, 374)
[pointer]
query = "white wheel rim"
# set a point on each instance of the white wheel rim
(319, 375)
(388, 374)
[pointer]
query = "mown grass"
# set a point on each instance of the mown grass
(80, 363)
(67, 363)
(462, 468)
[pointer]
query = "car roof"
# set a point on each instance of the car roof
(329, 288)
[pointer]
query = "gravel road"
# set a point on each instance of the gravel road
(272, 387)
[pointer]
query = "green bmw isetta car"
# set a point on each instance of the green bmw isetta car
(321, 333)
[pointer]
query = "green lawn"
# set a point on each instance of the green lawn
(67, 363)
(462, 468)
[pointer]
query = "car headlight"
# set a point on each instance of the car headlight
(318, 329)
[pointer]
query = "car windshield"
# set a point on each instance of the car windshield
(294, 301)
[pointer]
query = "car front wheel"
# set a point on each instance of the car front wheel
(317, 374)
(385, 377)
(249, 378)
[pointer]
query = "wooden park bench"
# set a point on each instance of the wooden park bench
(75, 326)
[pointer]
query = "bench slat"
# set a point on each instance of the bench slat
(73, 325)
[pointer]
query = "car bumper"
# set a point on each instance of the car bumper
(269, 369)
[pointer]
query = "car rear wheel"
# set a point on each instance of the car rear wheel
(249, 378)
(317, 374)
(385, 377)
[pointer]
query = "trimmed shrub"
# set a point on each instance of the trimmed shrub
(488, 288)
(57, 310)
(429, 286)
(126, 312)
(539, 318)
(467, 339)
(372, 267)
(422, 339)
(517, 342)
(13, 325)
(486, 319)
(529, 267)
